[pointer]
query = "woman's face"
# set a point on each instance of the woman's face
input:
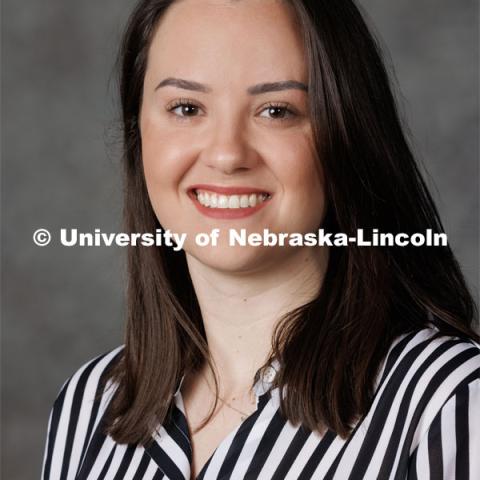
(226, 136)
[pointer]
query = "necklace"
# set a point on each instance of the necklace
(243, 415)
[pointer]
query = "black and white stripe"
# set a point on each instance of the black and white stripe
(424, 423)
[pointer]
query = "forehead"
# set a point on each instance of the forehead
(229, 39)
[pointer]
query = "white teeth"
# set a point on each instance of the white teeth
(213, 200)
(244, 201)
(222, 202)
(233, 201)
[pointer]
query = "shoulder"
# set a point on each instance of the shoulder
(432, 358)
(424, 372)
(76, 413)
(423, 420)
(88, 383)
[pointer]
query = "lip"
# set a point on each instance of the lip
(227, 213)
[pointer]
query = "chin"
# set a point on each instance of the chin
(239, 259)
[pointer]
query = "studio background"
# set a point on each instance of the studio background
(61, 168)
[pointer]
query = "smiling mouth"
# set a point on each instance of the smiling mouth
(215, 200)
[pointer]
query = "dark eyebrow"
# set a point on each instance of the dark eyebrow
(185, 84)
(276, 87)
(254, 90)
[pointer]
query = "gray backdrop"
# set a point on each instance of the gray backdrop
(60, 150)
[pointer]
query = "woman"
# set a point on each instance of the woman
(272, 362)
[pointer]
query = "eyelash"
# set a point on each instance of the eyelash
(184, 102)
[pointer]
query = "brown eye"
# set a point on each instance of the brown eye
(184, 109)
(188, 110)
(277, 112)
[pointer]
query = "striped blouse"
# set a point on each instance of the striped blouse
(424, 423)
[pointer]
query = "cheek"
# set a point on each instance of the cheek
(298, 169)
(165, 161)
(300, 175)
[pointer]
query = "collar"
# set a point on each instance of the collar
(263, 380)
(171, 448)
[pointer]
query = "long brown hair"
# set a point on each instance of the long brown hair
(330, 349)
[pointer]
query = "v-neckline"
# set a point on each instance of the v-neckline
(227, 440)
(171, 448)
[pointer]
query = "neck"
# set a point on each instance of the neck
(240, 311)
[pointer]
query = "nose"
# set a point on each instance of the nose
(228, 149)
